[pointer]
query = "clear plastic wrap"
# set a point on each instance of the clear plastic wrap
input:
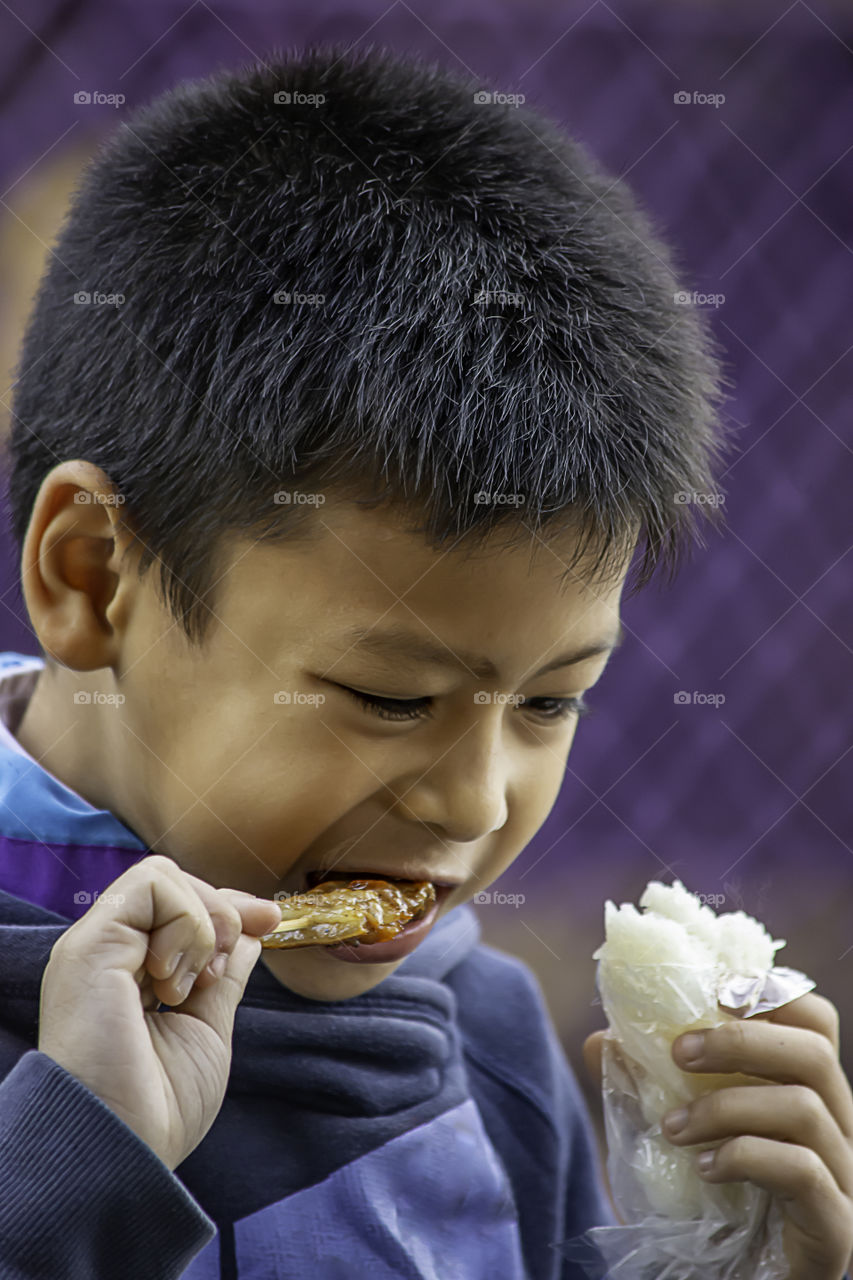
(659, 975)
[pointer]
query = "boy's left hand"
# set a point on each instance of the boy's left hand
(793, 1137)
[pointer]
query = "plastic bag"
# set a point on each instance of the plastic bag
(678, 1225)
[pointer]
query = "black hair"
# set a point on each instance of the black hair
(359, 271)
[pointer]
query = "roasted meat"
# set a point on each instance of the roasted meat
(356, 911)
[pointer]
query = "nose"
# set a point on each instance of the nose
(463, 791)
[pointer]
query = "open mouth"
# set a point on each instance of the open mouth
(357, 910)
(369, 879)
(359, 915)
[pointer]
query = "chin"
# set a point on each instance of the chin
(320, 977)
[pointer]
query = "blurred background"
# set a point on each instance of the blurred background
(718, 749)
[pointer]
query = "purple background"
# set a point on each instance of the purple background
(749, 799)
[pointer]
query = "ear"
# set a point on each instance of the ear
(76, 588)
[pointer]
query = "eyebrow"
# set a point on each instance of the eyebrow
(397, 642)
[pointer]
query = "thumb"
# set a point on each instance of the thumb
(217, 1003)
(592, 1047)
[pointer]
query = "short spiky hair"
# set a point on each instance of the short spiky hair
(498, 316)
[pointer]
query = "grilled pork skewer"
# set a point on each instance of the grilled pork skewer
(357, 911)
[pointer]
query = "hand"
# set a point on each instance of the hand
(793, 1137)
(164, 1074)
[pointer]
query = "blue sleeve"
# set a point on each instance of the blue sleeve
(81, 1195)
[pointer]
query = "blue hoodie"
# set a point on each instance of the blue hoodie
(430, 1129)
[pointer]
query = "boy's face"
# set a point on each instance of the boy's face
(249, 763)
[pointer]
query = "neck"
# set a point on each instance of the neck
(67, 728)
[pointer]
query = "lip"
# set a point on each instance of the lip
(397, 948)
(317, 875)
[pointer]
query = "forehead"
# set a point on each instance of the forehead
(393, 536)
(366, 567)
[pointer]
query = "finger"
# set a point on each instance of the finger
(812, 1012)
(785, 1112)
(258, 915)
(232, 912)
(773, 1051)
(592, 1048)
(118, 925)
(216, 1002)
(796, 1174)
(193, 945)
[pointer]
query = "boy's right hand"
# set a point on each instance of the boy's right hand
(164, 1074)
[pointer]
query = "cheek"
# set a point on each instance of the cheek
(531, 799)
(536, 795)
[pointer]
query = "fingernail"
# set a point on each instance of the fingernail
(690, 1047)
(676, 1120)
(705, 1160)
(217, 965)
(185, 984)
(173, 968)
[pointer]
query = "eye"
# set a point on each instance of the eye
(400, 709)
(560, 708)
(391, 708)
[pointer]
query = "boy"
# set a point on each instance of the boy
(324, 531)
